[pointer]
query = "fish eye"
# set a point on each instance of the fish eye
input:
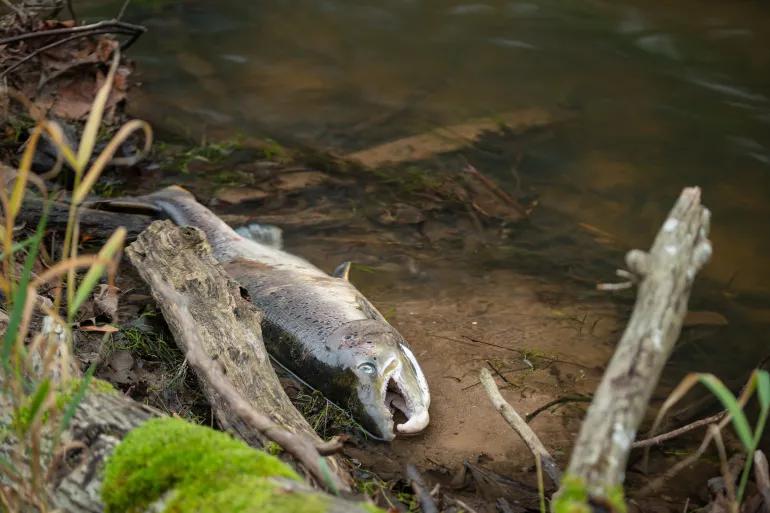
(367, 368)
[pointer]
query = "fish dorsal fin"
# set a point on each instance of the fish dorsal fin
(343, 270)
(369, 309)
(266, 234)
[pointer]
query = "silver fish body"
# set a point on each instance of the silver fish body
(318, 326)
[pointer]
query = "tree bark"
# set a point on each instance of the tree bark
(228, 329)
(666, 276)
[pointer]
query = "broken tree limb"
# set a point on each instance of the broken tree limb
(663, 437)
(513, 419)
(99, 224)
(177, 263)
(666, 275)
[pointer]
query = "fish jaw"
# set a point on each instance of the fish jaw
(397, 389)
(387, 377)
(407, 391)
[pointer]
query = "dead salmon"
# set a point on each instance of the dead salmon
(319, 327)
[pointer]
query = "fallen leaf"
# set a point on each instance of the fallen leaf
(106, 301)
(104, 328)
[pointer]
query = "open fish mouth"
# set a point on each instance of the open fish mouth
(402, 406)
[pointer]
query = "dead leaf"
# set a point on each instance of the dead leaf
(106, 301)
(104, 328)
(120, 364)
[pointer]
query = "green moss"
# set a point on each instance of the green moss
(573, 497)
(370, 508)
(170, 453)
(208, 472)
(273, 448)
(68, 391)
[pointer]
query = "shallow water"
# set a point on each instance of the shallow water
(656, 98)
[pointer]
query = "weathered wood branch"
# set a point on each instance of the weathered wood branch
(178, 261)
(666, 275)
(514, 420)
(99, 224)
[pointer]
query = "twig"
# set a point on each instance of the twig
(460, 503)
(422, 493)
(762, 479)
(655, 484)
(517, 423)
(656, 440)
(122, 10)
(17, 10)
(72, 11)
(559, 400)
(113, 25)
(302, 448)
(497, 190)
(59, 42)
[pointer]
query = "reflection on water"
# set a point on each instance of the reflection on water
(660, 97)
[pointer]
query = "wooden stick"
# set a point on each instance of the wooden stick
(657, 440)
(559, 400)
(422, 493)
(667, 273)
(762, 479)
(101, 25)
(514, 420)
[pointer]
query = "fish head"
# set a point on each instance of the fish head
(386, 377)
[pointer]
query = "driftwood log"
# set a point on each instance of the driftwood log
(665, 274)
(226, 326)
(99, 224)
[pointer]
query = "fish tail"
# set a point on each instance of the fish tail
(180, 205)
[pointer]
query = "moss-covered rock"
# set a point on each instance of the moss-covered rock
(193, 468)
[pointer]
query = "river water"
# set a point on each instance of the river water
(658, 95)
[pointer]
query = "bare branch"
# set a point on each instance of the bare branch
(513, 419)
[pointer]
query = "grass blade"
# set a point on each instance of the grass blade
(18, 246)
(108, 251)
(20, 299)
(763, 389)
(77, 398)
(728, 400)
(106, 155)
(91, 130)
(35, 405)
(20, 186)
